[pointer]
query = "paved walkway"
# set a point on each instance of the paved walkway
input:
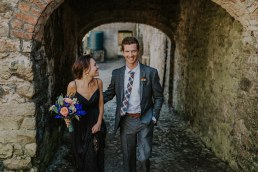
(175, 147)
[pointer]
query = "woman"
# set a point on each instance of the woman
(88, 138)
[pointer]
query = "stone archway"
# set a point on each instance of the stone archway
(24, 33)
(29, 19)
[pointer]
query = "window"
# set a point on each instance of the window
(122, 34)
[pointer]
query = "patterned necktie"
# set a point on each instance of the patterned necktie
(127, 93)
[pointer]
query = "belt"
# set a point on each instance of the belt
(134, 115)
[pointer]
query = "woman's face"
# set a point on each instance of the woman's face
(93, 68)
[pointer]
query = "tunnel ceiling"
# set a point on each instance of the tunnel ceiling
(92, 13)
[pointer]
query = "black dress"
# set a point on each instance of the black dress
(88, 148)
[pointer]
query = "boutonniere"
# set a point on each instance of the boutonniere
(143, 80)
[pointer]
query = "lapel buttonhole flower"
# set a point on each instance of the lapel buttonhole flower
(143, 80)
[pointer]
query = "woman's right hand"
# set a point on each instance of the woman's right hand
(67, 122)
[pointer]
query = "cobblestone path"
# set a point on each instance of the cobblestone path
(175, 147)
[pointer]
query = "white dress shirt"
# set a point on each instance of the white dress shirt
(134, 105)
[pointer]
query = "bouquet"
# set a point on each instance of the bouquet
(67, 108)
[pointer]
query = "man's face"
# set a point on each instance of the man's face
(131, 54)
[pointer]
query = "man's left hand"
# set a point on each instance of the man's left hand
(154, 120)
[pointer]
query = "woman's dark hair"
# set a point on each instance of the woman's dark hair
(130, 40)
(81, 63)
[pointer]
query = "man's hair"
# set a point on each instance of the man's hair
(128, 41)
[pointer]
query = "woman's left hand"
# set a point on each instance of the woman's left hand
(96, 128)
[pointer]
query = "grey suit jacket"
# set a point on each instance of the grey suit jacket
(151, 93)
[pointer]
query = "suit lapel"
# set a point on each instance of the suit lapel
(122, 80)
(142, 75)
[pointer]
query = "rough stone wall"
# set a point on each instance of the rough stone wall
(17, 120)
(215, 82)
(31, 75)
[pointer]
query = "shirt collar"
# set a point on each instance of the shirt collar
(134, 69)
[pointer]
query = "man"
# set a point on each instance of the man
(139, 99)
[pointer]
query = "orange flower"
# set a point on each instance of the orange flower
(143, 79)
(64, 111)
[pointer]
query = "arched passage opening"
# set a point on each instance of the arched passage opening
(236, 116)
(61, 44)
(155, 49)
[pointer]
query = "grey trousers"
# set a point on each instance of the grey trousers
(135, 134)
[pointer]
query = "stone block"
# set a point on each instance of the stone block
(34, 169)
(28, 124)
(4, 28)
(17, 150)
(248, 39)
(17, 163)
(16, 24)
(16, 109)
(5, 72)
(41, 4)
(35, 11)
(6, 151)
(4, 55)
(22, 67)
(7, 45)
(27, 18)
(26, 89)
(21, 34)
(25, 7)
(18, 136)
(28, 28)
(8, 123)
(18, 98)
(252, 28)
(253, 22)
(253, 7)
(30, 149)
(2, 92)
(5, 7)
(26, 46)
